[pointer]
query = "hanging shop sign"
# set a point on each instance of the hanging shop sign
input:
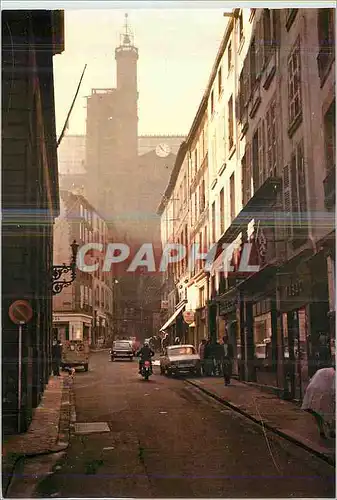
(188, 317)
(228, 306)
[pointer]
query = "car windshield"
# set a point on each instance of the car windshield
(180, 351)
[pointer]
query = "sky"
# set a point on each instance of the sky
(177, 49)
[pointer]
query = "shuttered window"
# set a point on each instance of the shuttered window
(294, 83)
(295, 198)
(271, 136)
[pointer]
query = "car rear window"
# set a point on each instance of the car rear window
(124, 345)
(181, 351)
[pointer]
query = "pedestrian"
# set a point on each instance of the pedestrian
(218, 358)
(319, 400)
(227, 359)
(208, 359)
(56, 357)
(201, 352)
(164, 343)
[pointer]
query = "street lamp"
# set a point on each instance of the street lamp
(59, 284)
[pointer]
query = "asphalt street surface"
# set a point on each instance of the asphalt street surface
(166, 439)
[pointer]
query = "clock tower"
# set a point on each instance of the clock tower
(126, 55)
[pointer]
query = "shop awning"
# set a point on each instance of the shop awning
(172, 318)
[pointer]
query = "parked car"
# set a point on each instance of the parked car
(121, 349)
(179, 359)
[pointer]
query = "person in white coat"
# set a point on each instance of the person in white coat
(319, 400)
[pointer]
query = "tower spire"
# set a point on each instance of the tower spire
(127, 35)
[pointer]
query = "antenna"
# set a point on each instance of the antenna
(127, 36)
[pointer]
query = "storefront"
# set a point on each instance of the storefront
(297, 306)
(72, 327)
(227, 324)
(265, 341)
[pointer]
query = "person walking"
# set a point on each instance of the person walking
(319, 401)
(201, 352)
(208, 359)
(227, 359)
(56, 357)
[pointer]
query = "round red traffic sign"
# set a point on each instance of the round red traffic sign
(20, 312)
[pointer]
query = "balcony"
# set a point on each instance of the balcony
(329, 189)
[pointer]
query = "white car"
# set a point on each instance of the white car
(180, 359)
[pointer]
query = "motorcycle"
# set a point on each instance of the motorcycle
(146, 370)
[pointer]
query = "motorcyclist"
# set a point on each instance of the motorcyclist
(145, 353)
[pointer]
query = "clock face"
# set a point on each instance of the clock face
(163, 150)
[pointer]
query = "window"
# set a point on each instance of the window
(294, 84)
(255, 158)
(271, 138)
(232, 196)
(219, 81)
(213, 222)
(295, 199)
(326, 41)
(230, 124)
(222, 211)
(195, 159)
(246, 176)
(240, 26)
(290, 17)
(252, 61)
(201, 297)
(202, 196)
(330, 137)
(205, 239)
(267, 35)
(229, 56)
(196, 206)
(212, 102)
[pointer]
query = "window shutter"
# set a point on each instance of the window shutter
(261, 140)
(287, 201)
(248, 187)
(259, 47)
(245, 80)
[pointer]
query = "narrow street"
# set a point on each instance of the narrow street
(166, 439)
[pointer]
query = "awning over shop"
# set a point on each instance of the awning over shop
(172, 318)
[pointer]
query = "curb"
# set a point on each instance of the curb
(61, 444)
(271, 428)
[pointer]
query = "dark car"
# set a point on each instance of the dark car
(121, 349)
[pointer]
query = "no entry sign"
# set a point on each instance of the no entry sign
(20, 312)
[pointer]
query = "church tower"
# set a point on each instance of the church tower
(126, 55)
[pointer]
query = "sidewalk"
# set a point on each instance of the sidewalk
(48, 432)
(285, 418)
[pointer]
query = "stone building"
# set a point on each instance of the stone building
(271, 191)
(30, 202)
(85, 308)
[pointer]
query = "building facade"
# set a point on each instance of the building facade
(83, 310)
(271, 195)
(30, 204)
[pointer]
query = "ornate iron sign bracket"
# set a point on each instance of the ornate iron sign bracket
(58, 271)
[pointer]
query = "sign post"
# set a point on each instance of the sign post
(20, 312)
